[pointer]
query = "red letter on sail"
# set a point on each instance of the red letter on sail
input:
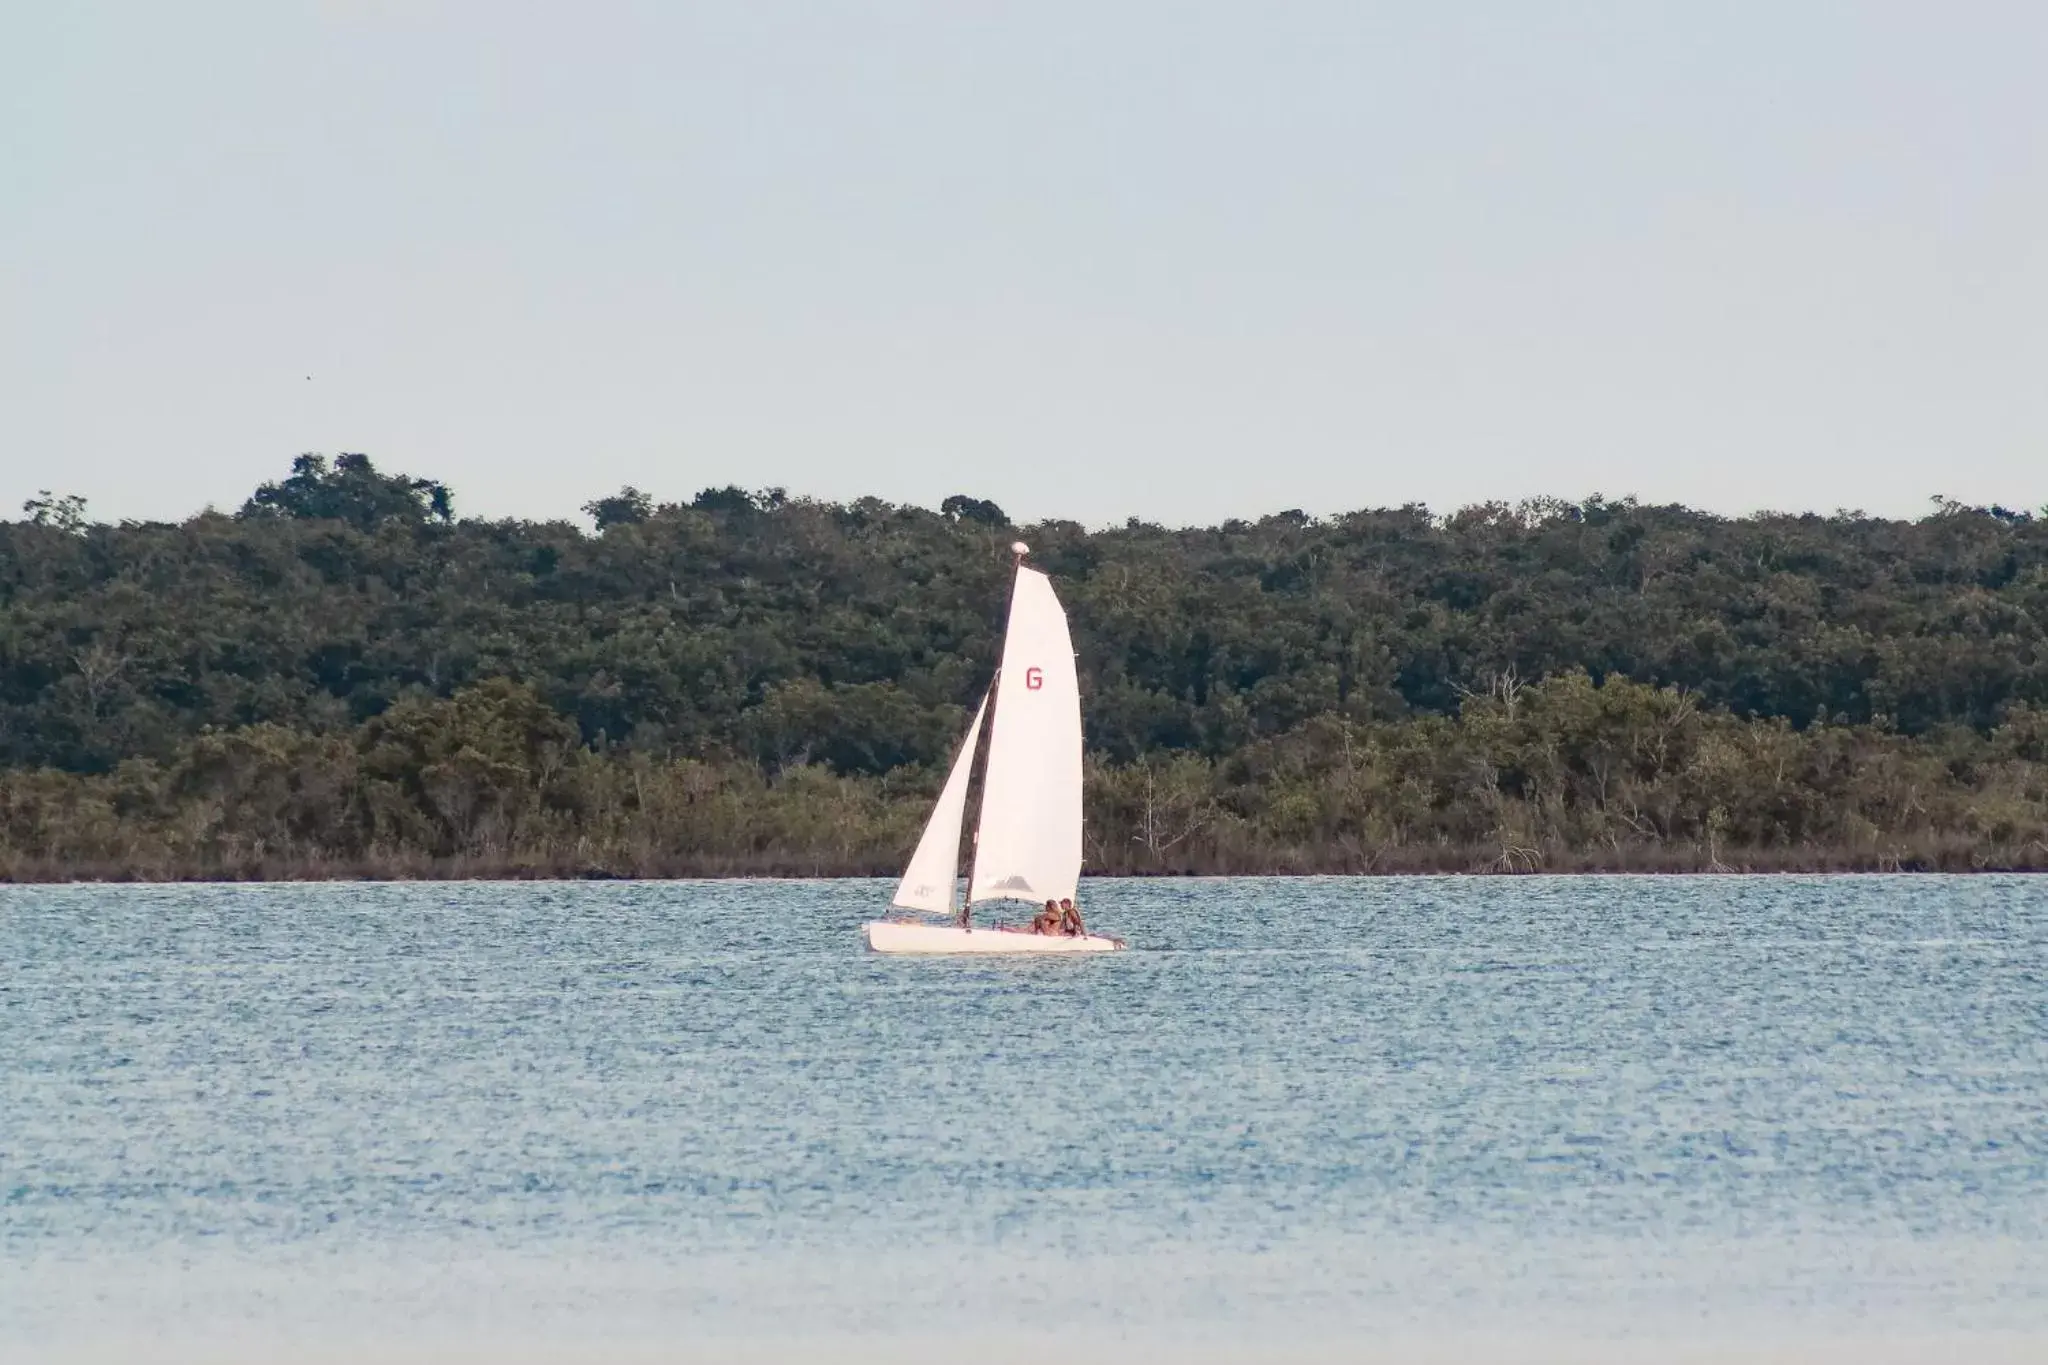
(1034, 678)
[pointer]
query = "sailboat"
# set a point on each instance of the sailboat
(1028, 845)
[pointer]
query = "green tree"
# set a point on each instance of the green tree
(351, 491)
(66, 513)
(627, 507)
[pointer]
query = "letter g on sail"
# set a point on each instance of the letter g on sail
(1034, 679)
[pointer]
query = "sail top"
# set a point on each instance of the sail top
(927, 883)
(1029, 844)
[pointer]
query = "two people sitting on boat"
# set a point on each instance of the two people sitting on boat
(1059, 917)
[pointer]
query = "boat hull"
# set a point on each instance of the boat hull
(904, 936)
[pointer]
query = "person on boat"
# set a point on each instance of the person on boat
(1070, 920)
(1047, 921)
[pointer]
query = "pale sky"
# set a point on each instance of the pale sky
(1183, 261)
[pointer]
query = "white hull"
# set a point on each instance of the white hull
(906, 936)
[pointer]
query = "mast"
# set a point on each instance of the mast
(1018, 549)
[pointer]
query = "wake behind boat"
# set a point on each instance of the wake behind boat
(1028, 844)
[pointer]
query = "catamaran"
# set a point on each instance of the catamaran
(1028, 845)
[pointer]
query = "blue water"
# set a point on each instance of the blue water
(1298, 1110)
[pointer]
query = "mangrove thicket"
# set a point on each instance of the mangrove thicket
(346, 677)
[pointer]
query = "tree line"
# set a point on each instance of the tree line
(343, 677)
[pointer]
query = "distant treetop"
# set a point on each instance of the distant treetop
(627, 507)
(66, 513)
(731, 498)
(351, 491)
(960, 507)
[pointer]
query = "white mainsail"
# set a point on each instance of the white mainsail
(927, 883)
(1029, 845)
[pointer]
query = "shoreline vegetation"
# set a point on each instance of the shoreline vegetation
(344, 680)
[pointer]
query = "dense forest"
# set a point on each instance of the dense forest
(343, 677)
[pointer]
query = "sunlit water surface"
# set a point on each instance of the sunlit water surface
(1298, 1111)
